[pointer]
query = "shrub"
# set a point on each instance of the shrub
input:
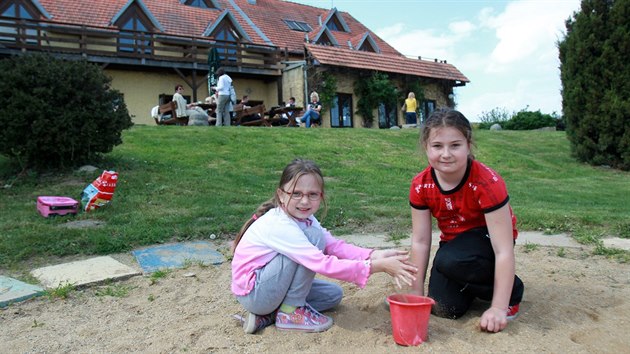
(57, 113)
(495, 116)
(527, 120)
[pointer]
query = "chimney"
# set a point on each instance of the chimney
(319, 19)
(349, 44)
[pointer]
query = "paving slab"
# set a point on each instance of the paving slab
(177, 255)
(384, 241)
(616, 242)
(84, 272)
(13, 290)
(539, 238)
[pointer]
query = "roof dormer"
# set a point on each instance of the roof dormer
(325, 37)
(25, 9)
(226, 28)
(204, 4)
(136, 16)
(135, 23)
(368, 44)
(335, 21)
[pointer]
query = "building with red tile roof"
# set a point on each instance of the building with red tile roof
(272, 49)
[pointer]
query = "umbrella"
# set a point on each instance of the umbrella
(213, 65)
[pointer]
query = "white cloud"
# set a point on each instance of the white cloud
(462, 28)
(509, 54)
(525, 29)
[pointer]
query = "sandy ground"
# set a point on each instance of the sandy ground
(574, 303)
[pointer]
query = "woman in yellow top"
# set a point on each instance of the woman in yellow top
(409, 108)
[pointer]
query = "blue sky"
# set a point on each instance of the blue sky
(507, 49)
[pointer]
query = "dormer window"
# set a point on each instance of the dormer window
(226, 33)
(204, 4)
(325, 40)
(367, 47)
(298, 26)
(334, 25)
(134, 32)
(20, 10)
(335, 22)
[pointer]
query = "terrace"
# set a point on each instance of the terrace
(111, 46)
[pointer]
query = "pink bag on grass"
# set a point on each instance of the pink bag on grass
(100, 192)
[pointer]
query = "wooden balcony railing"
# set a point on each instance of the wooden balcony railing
(111, 45)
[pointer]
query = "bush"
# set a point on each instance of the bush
(522, 120)
(527, 120)
(495, 116)
(57, 113)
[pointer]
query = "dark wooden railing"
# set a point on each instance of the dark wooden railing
(111, 45)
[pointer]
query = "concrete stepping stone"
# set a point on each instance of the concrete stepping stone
(78, 273)
(13, 290)
(177, 255)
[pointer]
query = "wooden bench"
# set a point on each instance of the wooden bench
(275, 116)
(240, 113)
(170, 108)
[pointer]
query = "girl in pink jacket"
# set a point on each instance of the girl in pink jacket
(282, 246)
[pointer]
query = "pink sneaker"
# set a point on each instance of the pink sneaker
(512, 312)
(304, 318)
(253, 323)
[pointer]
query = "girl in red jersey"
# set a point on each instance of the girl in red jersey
(470, 203)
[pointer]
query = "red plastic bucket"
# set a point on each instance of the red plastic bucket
(410, 318)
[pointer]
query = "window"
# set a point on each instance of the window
(225, 32)
(325, 40)
(334, 24)
(204, 4)
(341, 111)
(298, 26)
(428, 106)
(367, 47)
(134, 32)
(387, 116)
(17, 9)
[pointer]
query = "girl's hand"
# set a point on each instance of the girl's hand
(398, 267)
(493, 320)
(379, 254)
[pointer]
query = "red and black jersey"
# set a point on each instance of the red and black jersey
(481, 191)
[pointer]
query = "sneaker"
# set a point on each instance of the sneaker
(253, 323)
(304, 318)
(298, 121)
(512, 312)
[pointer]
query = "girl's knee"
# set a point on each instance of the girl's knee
(448, 311)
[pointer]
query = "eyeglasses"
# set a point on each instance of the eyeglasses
(313, 196)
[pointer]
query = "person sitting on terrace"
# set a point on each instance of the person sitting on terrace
(312, 112)
(196, 115)
(284, 119)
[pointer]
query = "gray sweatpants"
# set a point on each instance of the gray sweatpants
(282, 281)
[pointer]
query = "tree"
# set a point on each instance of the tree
(57, 113)
(596, 82)
(373, 90)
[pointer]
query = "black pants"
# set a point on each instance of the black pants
(463, 269)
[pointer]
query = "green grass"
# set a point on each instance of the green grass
(188, 183)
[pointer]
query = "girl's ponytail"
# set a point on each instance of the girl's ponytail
(262, 209)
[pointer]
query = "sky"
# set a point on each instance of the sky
(507, 49)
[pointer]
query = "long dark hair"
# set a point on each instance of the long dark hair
(291, 173)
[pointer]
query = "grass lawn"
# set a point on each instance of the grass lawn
(185, 183)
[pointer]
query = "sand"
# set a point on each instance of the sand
(574, 303)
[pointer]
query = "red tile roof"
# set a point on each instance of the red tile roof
(384, 62)
(264, 24)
